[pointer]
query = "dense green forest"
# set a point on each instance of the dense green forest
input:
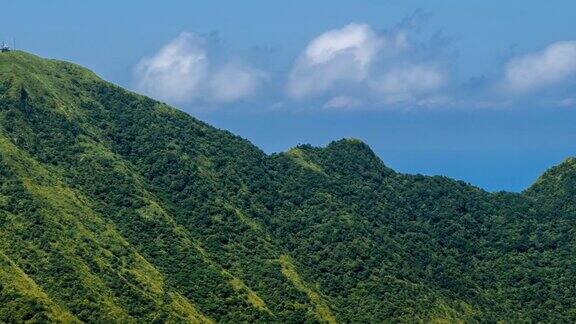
(118, 208)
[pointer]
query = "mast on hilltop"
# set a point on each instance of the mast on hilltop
(4, 47)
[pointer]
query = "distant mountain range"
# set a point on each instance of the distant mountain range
(118, 208)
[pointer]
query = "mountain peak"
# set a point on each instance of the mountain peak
(41, 77)
(557, 186)
(349, 144)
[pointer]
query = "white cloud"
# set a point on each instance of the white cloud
(406, 84)
(337, 56)
(181, 72)
(356, 39)
(176, 72)
(553, 65)
(234, 82)
(342, 102)
(356, 61)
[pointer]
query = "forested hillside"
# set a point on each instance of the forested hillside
(118, 208)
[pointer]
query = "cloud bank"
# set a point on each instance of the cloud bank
(357, 61)
(406, 84)
(553, 65)
(182, 72)
(358, 67)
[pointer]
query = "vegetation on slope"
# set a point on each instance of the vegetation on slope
(115, 207)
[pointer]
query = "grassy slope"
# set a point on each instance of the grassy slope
(114, 207)
(61, 234)
(137, 251)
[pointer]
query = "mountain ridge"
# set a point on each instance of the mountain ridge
(115, 207)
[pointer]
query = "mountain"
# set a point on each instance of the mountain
(557, 188)
(118, 208)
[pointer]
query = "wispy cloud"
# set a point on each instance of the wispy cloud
(567, 102)
(342, 102)
(235, 81)
(405, 84)
(551, 66)
(182, 72)
(177, 72)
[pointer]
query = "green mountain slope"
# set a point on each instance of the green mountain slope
(146, 210)
(118, 208)
(556, 189)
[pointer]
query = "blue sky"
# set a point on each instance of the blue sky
(483, 92)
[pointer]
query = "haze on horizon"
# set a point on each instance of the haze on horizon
(481, 92)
